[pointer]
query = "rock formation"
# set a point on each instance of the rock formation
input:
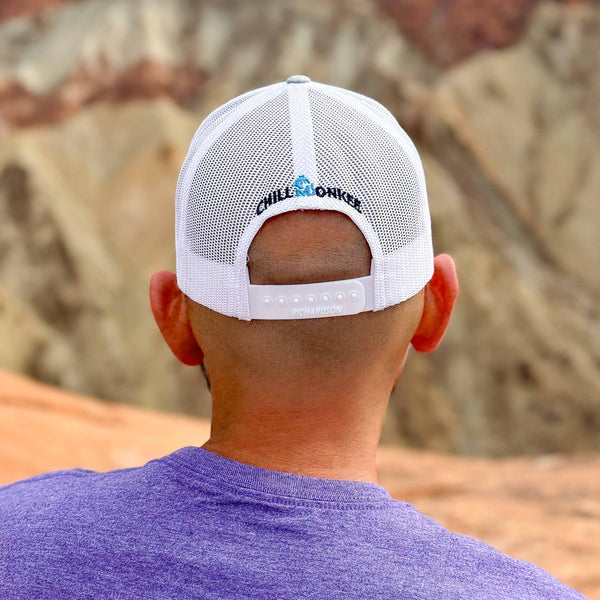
(98, 102)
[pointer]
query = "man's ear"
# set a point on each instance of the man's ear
(170, 310)
(440, 295)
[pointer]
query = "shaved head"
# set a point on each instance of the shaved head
(302, 395)
(307, 396)
(306, 247)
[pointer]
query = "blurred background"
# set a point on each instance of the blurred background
(99, 100)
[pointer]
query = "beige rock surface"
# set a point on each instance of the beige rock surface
(545, 510)
(510, 141)
(450, 31)
(508, 137)
(79, 239)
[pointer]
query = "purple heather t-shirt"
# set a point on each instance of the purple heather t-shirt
(196, 525)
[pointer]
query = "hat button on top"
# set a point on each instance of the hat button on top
(298, 79)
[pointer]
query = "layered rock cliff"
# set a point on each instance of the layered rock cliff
(99, 100)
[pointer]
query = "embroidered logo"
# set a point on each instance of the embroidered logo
(302, 186)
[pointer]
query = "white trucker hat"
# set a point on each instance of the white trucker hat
(300, 145)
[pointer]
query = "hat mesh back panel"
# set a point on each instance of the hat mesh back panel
(245, 163)
(212, 122)
(241, 166)
(355, 153)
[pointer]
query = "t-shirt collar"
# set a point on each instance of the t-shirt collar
(209, 465)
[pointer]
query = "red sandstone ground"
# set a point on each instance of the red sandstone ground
(545, 509)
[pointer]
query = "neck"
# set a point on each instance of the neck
(332, 437)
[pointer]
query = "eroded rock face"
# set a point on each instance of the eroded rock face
(131, 49)
(450, 31)
(79, 239)
(511, 142)
(508, 140)
(15, 8)
(44, 288)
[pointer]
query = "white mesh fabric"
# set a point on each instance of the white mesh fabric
(226, 182)
(358, 142)
(208, 131)
(352, 148)
(254, 157)
(236, 151)
(214, 121)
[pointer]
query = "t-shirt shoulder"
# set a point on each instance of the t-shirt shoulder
(52, 496)
(93, 510)
(60, 504)
(42, 476)
(485, 566)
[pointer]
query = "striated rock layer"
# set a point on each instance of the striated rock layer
(450, 31)
(16, 8)
(99, 100)
(545, 510)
